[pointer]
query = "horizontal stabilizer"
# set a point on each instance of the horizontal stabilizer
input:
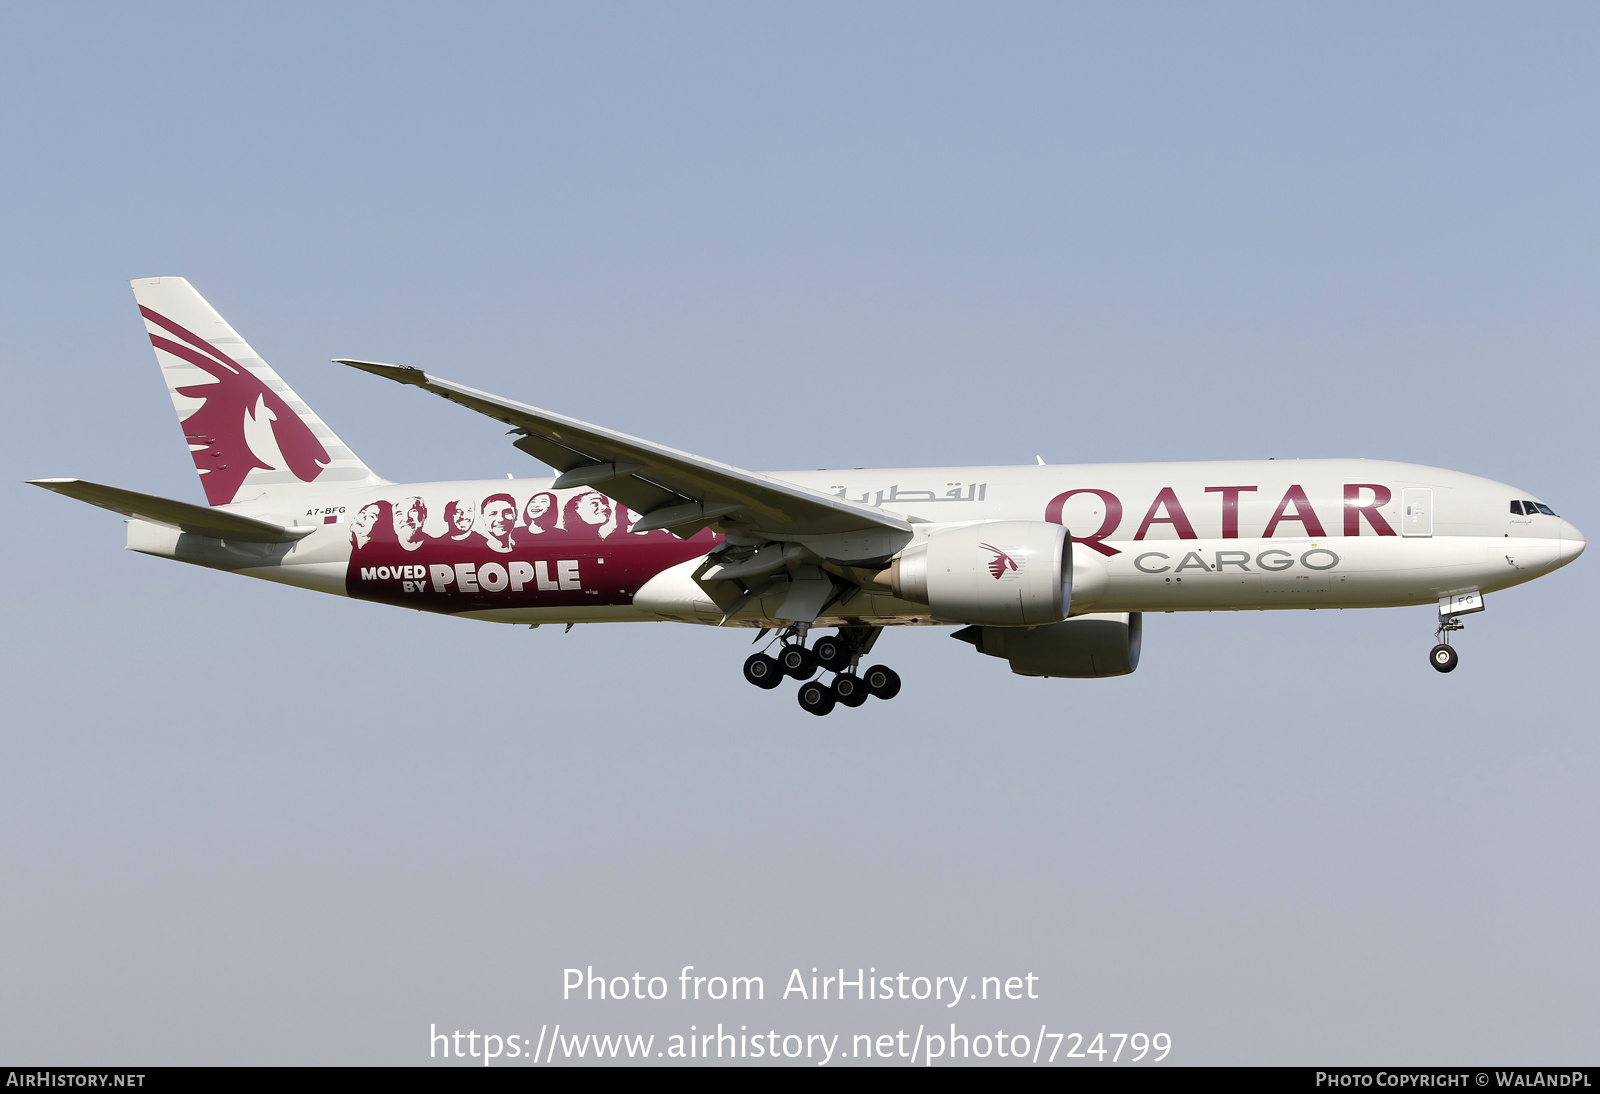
(196, 519)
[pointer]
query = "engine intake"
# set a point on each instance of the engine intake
(1004, 573)
(1083, 646)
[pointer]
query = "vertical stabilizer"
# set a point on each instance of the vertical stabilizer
(249, 433)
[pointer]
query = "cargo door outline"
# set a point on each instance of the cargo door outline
(1416, 512)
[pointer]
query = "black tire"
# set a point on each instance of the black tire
(815, 698)
(832, 654)
(1443, 658)
(849, 690)
(797, 662)
(763, 671)
(882, 681)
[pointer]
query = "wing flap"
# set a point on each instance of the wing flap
(198, 519)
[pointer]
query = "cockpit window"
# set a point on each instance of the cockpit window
(1526, 508)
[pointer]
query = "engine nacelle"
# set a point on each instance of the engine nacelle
(1004, 573)
(1083, 646)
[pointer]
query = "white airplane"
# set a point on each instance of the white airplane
(629, 530)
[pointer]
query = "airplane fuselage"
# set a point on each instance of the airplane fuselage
(1146, 537)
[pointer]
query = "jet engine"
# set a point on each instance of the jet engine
(1004, 573)
(1083, 646)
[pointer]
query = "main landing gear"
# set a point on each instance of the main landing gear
(838, 654)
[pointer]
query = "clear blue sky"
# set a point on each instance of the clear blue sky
(250, 824)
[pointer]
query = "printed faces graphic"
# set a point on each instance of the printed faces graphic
(506, 550)
(410, 514)
(499, 518)
(541, 514)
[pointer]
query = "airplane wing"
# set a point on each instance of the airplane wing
(197, 519)
(674, 490)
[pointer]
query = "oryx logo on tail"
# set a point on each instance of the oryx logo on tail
(1000, 563)
(235, 407)
(249, 434)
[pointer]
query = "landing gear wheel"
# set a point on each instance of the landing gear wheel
(763, 671)
(815, 698)
(849, 690)
(882, 681)
(832, 654)
(1443, 657)
(798, 662)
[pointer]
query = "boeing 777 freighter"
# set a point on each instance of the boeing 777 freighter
(1047, 567)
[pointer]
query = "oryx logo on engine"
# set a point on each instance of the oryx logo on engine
(1001, 562)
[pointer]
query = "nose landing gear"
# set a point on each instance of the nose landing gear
(838, 654)
(1443, 656)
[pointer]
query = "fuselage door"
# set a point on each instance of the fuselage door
(1416, 512)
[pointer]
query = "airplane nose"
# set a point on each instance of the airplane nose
(1572, 543)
